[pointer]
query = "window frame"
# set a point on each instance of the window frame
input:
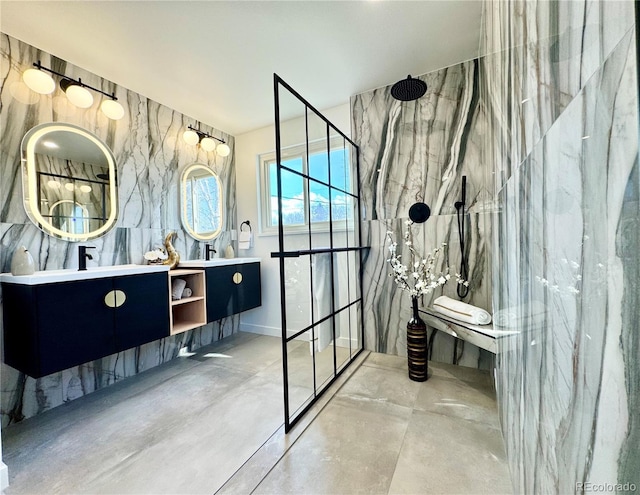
(265, 160)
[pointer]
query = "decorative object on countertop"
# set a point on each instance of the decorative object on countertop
(177, 288)
(418, 277)
(245, 237)
(462, 311)
(22, 262)
(173, 257)
(229, 252)
(155, 256)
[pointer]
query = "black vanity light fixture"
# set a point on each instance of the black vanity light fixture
(194, 136)
(77, 92)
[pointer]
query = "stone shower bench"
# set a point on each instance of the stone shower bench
(483, 336)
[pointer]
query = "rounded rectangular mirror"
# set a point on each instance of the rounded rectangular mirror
(69, 182)
(201, 199)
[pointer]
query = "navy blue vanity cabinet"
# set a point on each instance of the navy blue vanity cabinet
(53, 327)
(144, 315)
(20, 343)
(220, 291)
(249, 295)
(232, 289)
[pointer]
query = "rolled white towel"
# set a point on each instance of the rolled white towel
(462, 311)
(187, 292)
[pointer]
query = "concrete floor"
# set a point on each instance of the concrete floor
(212, 422)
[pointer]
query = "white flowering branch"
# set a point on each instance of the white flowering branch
(419, 276)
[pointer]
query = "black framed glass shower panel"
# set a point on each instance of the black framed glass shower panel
(320, 269)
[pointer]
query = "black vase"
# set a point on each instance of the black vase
(417, 345)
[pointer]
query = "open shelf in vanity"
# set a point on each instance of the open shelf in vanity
(188, 312)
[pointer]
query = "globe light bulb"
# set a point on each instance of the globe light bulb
(39, 81)
(191, 137)
(112, 109)
(208, 144)
(223, 149)
(79, 96)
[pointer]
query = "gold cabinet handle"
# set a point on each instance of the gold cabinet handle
(115, 298)
(237, 278)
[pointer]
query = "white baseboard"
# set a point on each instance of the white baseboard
(4, 477)
(260, 329)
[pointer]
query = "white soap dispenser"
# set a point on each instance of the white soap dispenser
(229, 252)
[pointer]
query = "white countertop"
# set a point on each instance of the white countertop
(70, 274)
(216, 262)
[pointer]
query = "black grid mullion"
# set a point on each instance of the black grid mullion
(307, 176)
(306, 329)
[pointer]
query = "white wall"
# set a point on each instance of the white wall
(248, 146)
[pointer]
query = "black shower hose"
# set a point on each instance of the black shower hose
(461, 289)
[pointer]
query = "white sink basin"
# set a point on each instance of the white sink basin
(52, 276)
(216, 262)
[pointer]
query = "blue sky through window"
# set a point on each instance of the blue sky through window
(293, 188)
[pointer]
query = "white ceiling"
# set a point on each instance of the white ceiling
(214, 60)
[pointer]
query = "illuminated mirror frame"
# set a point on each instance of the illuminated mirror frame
(30, 183)
(183, 199)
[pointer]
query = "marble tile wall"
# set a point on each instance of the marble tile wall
(150, 155)
(561, 89)
(419, 151)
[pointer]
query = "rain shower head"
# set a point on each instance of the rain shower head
(408, 89)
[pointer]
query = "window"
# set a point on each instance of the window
(313, 187)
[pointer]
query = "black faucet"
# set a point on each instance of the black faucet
(208, 249)
(82, 256)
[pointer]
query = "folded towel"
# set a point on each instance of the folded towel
(187, 292)
(177, 288)
(245, 240)
(462, 311)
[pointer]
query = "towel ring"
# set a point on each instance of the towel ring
(247, 223)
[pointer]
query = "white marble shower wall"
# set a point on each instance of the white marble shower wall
(150, 156)
(419, 151)
(562, 97)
